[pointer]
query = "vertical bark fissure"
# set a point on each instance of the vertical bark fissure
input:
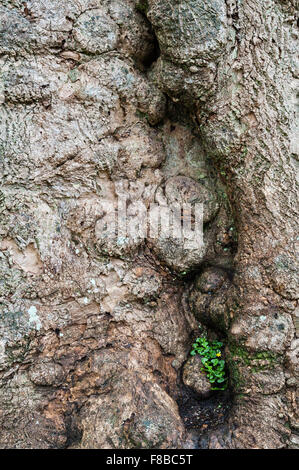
(247, 127)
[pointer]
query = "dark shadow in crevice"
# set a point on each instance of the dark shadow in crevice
(73, 430)
(155, 52)
(202, 416)
(153, 55)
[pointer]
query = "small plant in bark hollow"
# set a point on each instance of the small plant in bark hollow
(212, 363)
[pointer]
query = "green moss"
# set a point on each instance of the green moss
(141, 115)
(257, 361)
(236, 380)
(142, 6)
(247, 357)
(254, 362)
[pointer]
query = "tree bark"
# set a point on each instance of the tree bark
(156, 101)
(246, 116)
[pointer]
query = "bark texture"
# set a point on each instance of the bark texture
(157, 100)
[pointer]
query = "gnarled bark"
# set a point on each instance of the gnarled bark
(155, 101)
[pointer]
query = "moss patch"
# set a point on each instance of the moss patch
(251, 359)
(240, 357)
(142, 6)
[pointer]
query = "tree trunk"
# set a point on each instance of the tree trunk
(158, 101)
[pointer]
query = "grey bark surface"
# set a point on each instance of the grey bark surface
(160, 101)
